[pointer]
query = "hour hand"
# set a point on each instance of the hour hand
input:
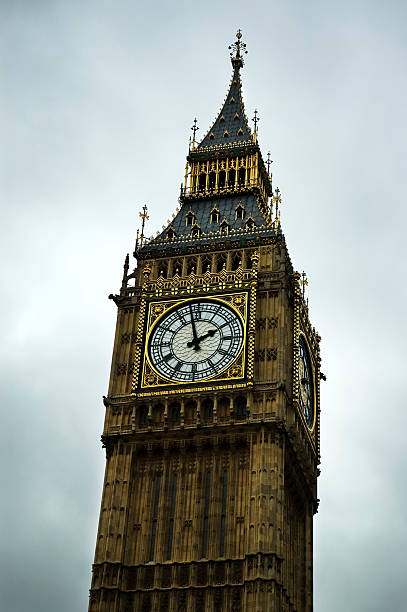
(197, 342)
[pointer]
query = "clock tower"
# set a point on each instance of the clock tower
(212, 414)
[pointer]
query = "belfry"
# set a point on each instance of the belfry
(212, 413)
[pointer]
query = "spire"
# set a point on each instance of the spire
(231, 126)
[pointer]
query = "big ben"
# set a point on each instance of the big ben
(212, 413)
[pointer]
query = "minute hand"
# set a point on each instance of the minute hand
(195, 339)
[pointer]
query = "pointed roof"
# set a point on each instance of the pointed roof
(230, 126)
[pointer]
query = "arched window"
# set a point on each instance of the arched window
(202, 181)
(221, 259)
(190, 412)
(206, 263)
(177, 265)
(239, 213)
(249, 263)
(196, 231)
(174, 412)
(224, 226)
(224, 409)
(250, 225)
(207, 410)
(190, 218)
(170, 234)
(191, 265)
(240, 405)
(141, 415)
(214, 215)
(232, 178)
(162, 266)
(158, 414)
(212, 180)
(236, 260)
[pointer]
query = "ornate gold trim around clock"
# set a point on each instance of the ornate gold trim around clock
(236, 371)
(302, 327)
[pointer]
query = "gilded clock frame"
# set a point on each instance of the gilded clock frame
(302, 327)
(157, 309)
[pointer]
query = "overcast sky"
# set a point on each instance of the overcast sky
(96, 107)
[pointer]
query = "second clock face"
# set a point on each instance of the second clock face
(196, 340)
(306, 384)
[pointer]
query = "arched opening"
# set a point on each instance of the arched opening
(212, 180)
(202, 181)
(162, 265)
(250, 225)
(158, 414)
(170, 234)
(206, 263)
(224, 227)
(223, 409)
(196, 231)
(174, 412)
(177, 266)
(207, 410)
(190, 218)
(141, 415)
(236, 260)
(221, 262)
(232, 178)
(222, 179)
(239, 214)
(249, 262)
(215, 216)
(242, 176)
(190, 412)
(240, 407)
(191, 265)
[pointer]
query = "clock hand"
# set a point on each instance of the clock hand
(209, 334)
(195, 339)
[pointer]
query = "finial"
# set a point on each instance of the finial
(303, 282)
(277, 201)
(144, 216)
(269, 162)
(255, 120)
(194, 129)
(236, 49)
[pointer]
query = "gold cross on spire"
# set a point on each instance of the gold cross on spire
(144, 217)
(194, 129)
(277, 201)
(269, 162)
(303, 282)
(236, 50)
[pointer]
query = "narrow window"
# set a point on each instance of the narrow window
(215, 216)
(212, 180)
(222, 179)
(232, 178)
(172, 513)
(224, 227)
(155, 516)
(239, 211)
(206, 514)
(202, 181)
(223, 516)
(190, 218)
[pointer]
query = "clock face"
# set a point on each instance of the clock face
(196, 340)
(306, 384)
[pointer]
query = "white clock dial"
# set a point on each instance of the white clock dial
(306, 384)
(196, 340)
